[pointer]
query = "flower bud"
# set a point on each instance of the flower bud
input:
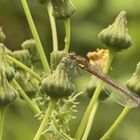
(42, 1)
(2, 36)
(134, 82)
(28, 83)
(23, 56)
(56, 57)
(9, 71)
(30, 45)
(62, 9)
(58, 84)
(116, 36)
(91, 88)
(7, 92)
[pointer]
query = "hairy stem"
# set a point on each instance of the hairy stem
(2, 115)
(118, 121)
(90, 121)
(36, 36)
(53, 27)
(68, 32)
(94, 99)
(45, 119)
(29, 102)
(24, 67)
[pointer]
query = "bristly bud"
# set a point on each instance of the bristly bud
(28, 83)
(58, 84)
(62, 9)
(116, 36)
(7, 92)
(92, 85)
(56, 57)
(2, 36)
(9, 71)
(42, 1)
(22, 56)
(134, 82)
(30, 45)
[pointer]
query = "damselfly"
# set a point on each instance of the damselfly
(119, 93)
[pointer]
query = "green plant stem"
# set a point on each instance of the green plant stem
(24, 67)
(53, 27)
(107, 135)
(94, 99)
(45, 119)
(68, 32)
(2, 115)
(36, 36)
(90, 121)
(29, 102)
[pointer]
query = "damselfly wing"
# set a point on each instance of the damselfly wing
(119, 97)
(116, 91)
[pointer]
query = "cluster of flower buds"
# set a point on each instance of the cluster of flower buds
(28, 55)
(116, 36)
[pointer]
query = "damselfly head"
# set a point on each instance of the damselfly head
(72, 55)
(80, 60)
(71, 60)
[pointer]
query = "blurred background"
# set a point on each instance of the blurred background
(90, 18)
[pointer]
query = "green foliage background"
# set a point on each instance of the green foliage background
(91, 17)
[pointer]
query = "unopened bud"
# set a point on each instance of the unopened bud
(58, 84)
(92, 85)
(134, 82)
(62, 9)
(7, 92)
(116, 36)
(56, 57)
(28, 83)
(30, 45)
(9, 71)
(23, 56)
